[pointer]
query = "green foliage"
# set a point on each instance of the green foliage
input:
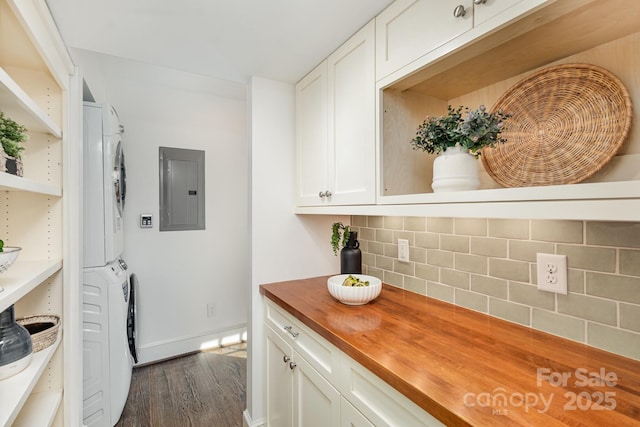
(12, 135)
(1, 245)
(471, 129)
(336, 229)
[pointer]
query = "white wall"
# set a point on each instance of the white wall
(181, 271)
(283, 246)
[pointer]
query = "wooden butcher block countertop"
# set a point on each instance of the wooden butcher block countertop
(467, 368)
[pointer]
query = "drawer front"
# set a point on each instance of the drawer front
(378, 401)
(318, 352)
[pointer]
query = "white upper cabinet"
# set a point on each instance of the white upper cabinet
(311, 137)
(408, 29)
(426, 59)
(336, 126)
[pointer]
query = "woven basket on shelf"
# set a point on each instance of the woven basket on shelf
(43, 329)
(567, 122)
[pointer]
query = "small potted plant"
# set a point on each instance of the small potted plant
(347, 241)
(459, 136)
(12, 135)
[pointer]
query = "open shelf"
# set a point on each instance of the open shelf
(17, 105)
(15, 390)
(476, 68)
(40, 409)
(10, 182)
(23, 277)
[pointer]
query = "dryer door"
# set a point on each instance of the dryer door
(119, 178)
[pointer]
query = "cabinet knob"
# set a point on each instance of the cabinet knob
(286, 359)
(459, 11)
(292, 365)
(323, 194)
(479, 1)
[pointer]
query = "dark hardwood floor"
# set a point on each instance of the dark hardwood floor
(205, 389)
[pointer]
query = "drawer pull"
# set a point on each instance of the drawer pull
(293, 333)
(292, 365)
(286, 358)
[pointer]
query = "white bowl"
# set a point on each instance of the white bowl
(354, 295)
(8, 257)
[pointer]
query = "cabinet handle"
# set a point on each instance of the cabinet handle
(459, 11)
(293, 333)
(286, 358)
(479, 1)
(323, 194)
(327, 193)
(292, 365)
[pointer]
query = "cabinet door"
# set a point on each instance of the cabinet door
(490, 8)
(316, 402)
(279, 379)
(311, 137)
(351, 81)
(351, 417)
(408, 29)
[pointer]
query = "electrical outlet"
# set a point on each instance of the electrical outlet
(211, 309)
(403, 250)
(552, 273)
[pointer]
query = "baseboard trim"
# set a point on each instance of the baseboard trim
(161, 350)
(248, 422)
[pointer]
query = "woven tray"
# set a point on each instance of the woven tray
(567, 122)
(43, 329)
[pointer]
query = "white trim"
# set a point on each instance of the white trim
(248, 422)
(161, 350)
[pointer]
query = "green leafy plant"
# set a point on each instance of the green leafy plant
(470, 129)
(12, 135)
(339, 232)
(1, 245)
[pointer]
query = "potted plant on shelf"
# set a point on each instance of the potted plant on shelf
(347, 241)
(458, 137)
(12, 135)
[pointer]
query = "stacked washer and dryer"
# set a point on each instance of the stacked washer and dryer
(109, 291)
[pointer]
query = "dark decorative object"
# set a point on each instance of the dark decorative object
(12, 165)
(351, 256)
(15, 345)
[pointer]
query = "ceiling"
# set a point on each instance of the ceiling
(228, 39)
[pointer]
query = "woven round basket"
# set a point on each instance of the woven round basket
(43, 329)
(567, 122)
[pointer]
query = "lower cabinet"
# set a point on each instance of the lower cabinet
(351, 417)
(310, 382)
(297, 395)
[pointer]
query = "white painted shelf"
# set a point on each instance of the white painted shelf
(606, 201)
(10, 182)
(22, 278)
(17, 105)
(40, 409)
(15, 390)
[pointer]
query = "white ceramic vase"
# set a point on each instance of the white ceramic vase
(455, 169)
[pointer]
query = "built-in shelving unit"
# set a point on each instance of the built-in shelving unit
(35, 86)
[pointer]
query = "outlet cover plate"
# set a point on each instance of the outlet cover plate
(403, 250)
(552, 273)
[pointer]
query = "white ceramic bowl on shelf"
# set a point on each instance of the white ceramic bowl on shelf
(354, 295)
(8, 257)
